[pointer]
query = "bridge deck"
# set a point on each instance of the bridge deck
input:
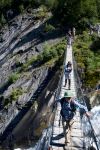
(58, 140)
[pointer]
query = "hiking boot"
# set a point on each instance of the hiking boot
(67, 142)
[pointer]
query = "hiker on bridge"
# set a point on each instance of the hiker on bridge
(73, 32)
(69, 38)
(68, 108)
(67, 72)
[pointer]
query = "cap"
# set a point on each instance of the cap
(68, 94)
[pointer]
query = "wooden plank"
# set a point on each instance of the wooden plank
(58, 139)
(76, 133)
(76, 142)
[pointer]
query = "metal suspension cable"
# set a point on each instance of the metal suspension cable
(61, 77)
(82, 96)
(44, 142)
(57, 92)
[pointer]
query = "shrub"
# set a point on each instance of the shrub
(31, 60)
(49, 53)
(53, 53)
(42, 12)
(95, 46)
(56, 50)
(13, 78)
(46, 55)
(85, 37)
(28, 63)
(16, 93)
(48, 28)
(21, 8)
(40, 57)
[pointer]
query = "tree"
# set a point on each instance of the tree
(98, 7)
(75, 11)
(51, 4)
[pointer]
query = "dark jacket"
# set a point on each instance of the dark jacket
(68, 108)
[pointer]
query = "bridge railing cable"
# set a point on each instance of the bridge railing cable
(44, 142)
(89, 132)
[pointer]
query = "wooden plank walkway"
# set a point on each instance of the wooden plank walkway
(58, 140)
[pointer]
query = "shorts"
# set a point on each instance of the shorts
(67, 76)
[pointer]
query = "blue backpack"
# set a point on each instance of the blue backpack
(67, 109)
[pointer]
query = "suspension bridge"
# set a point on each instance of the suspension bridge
(57, 140)
(53, 138)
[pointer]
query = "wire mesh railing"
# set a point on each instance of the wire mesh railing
(90, 137)
(44, 142)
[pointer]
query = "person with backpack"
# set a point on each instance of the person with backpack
(68, 109)
(67, 72)
(69, 38)
(73, 33)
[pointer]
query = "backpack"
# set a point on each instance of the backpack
(68, 70)
(73, 107)
(67, 114)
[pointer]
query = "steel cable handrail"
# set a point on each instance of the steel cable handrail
(83, 99)
(48, 134)
(57, 93)
(44, 142)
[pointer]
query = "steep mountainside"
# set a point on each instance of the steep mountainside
(26, 66)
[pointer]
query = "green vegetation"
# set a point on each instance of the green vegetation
(41, 13)
(25, 66)
(71, 12)
(78, 13)
(49, 28)
(21, 8)
(49, 53)
(88, 59)
(13, 78)
(15, 94)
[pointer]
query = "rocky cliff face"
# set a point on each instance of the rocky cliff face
(21, 42)
(95, 99)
